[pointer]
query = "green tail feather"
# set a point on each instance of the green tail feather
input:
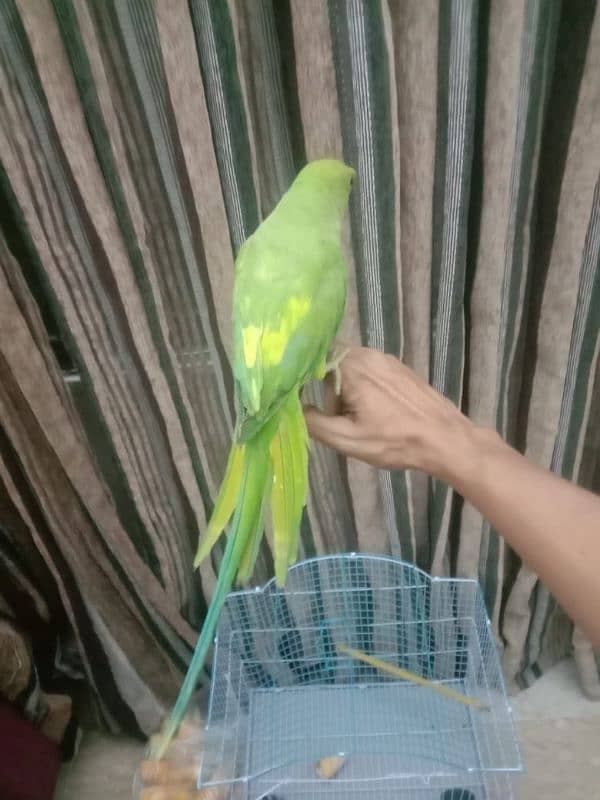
(253, 486)
(250, 556)
(298, 443)
(273, 465)
(289, 456)
(226, 502)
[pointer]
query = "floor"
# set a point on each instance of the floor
(559, 730)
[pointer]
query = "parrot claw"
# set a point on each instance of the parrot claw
(334, 366)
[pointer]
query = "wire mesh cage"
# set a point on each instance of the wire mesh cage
(294, 713)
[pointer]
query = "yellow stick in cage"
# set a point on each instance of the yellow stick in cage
(398, 672)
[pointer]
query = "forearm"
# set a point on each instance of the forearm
(553, 525)
(391, 418)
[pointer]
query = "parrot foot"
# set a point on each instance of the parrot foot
(333, 365)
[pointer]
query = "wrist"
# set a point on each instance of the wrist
(458, 455)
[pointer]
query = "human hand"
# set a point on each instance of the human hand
(388, 416)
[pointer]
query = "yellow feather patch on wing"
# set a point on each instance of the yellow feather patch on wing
(296, 309)
(226, 502)
(251, 339)
(273, 345)
(274, 340)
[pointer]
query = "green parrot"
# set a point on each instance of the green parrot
(288, 302)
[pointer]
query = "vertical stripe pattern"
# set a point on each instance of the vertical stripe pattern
(140, 144)
(456, 85)
(363, 82)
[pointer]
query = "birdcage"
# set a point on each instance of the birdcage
(297, 712)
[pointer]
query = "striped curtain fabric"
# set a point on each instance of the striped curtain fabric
(141, 142)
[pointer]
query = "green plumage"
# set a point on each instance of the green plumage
(289, 296)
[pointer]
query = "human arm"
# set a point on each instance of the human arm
(392, 419)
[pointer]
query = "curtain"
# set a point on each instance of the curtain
(141, 143)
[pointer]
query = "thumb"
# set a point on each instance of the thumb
(334, 431)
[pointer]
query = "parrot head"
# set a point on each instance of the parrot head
(328, 181)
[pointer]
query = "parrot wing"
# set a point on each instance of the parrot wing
(287, 308)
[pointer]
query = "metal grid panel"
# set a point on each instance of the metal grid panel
(478, 788)
(283, 697)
